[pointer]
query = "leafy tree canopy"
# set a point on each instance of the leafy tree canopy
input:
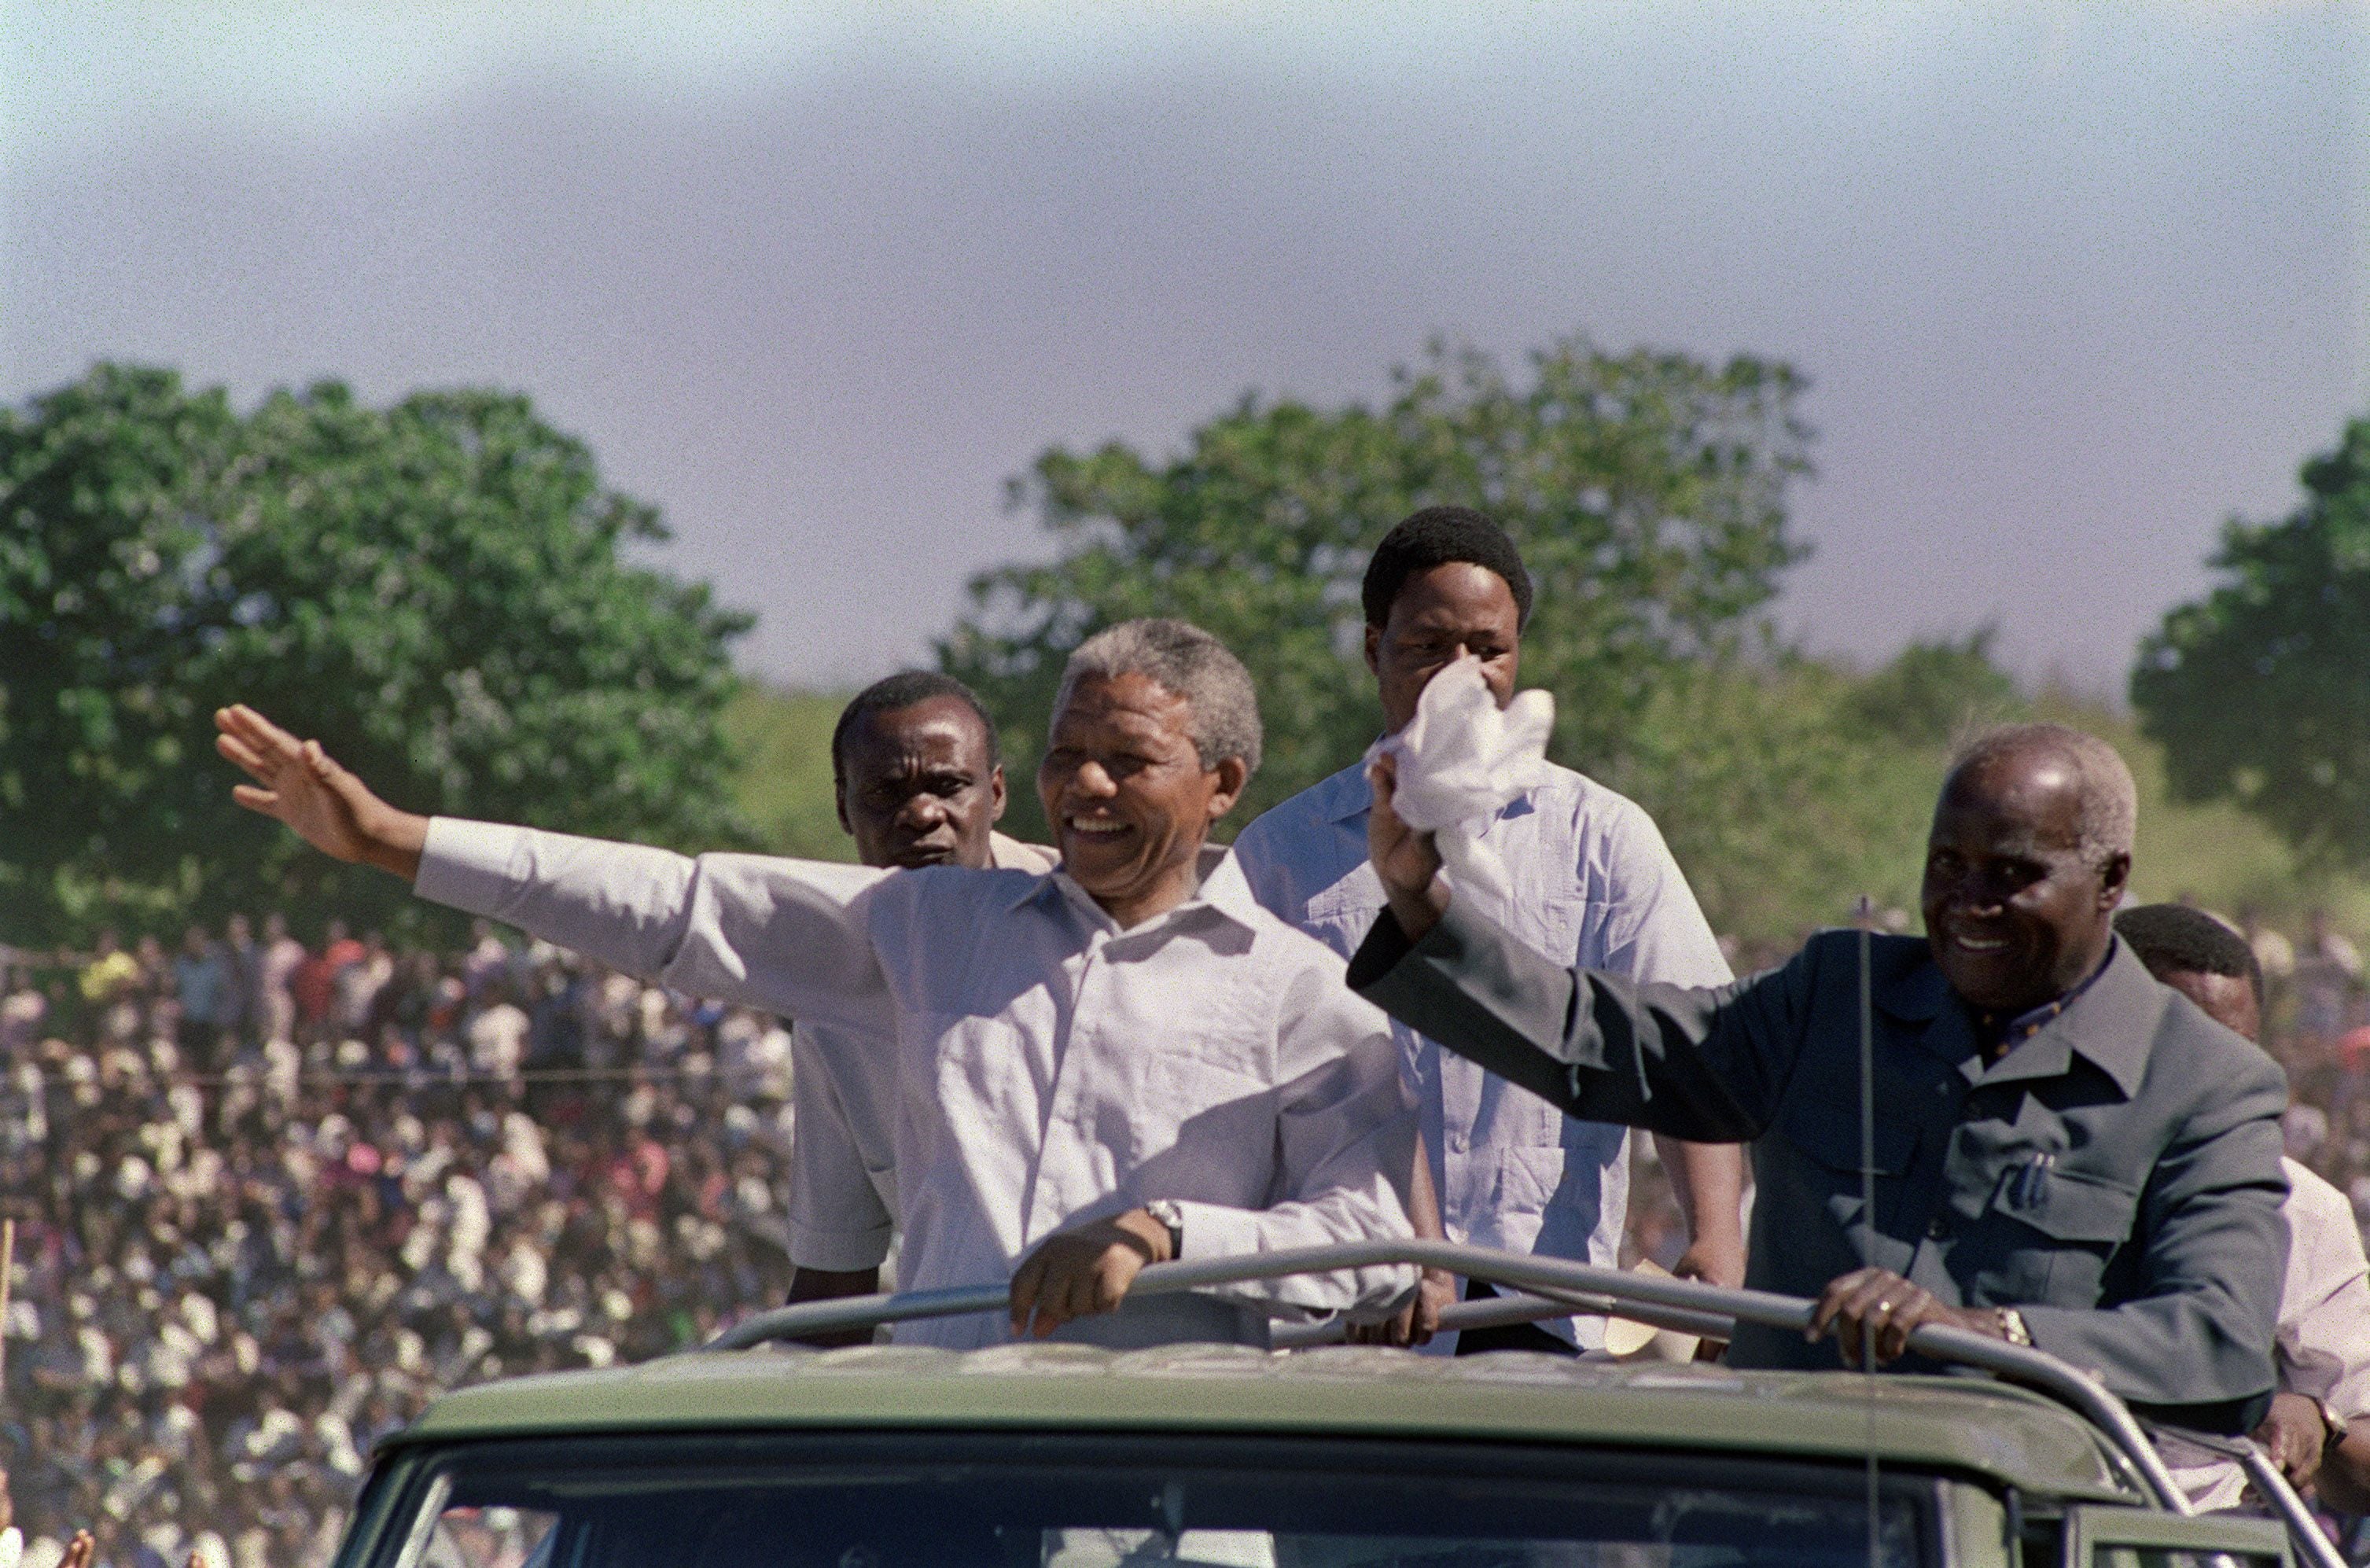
(436, 589)
(1646, 492)
(2259, 692)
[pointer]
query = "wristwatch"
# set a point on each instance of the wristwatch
(1168, 1213)
(2011, 1327)
(2333, 1425)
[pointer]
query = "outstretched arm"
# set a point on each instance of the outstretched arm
(788, 937)
(298, 783)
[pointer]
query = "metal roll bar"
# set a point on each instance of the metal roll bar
(1556, 1287)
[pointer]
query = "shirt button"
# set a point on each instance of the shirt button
(1938, 1227)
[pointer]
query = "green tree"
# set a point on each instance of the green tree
(1646, 490)
(2259, 692)
(437, 590)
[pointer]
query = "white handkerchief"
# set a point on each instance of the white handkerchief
(1461, 761)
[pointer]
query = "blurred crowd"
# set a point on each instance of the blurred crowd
(270, 1198)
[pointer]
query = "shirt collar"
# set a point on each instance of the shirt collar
(2108, 1019)
(1346, 794)
(1223, 892)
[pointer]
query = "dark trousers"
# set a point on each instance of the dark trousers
(1506, 1336)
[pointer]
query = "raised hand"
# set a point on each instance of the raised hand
(1407, 861)
(296, 782)
(79, 1550)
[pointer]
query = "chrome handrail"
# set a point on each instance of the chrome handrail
(1563, 1287)
(2270, 1483)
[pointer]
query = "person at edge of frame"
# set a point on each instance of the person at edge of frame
(2068, 1154)
(917, 778)
(1595, 886)
(1115, 1064)
(2318, 1430)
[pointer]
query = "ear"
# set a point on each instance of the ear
(1374, 650)
(2114, 881)
(998, 794)
(1232, 776)
(839, 804)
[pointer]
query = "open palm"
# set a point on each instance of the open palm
(298, 783)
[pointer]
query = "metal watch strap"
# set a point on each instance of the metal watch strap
(2012, 1328)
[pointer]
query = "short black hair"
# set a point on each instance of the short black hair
(2175, 936)
(1435, 536)
(900, 691)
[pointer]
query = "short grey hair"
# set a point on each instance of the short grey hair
(2108, 817)
(1183, 658)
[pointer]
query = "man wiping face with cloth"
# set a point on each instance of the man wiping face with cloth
(2068, 1154)
(1585, 879)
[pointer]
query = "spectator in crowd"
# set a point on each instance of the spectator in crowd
(275, 980)
(110, 972)
(918, 779)
(2323, 1349)
(1598, 888)
(204, 985)
(228, 1287)
(2065, 1158)
(1123, 1062)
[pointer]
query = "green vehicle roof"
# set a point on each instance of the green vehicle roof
(1962, 1423)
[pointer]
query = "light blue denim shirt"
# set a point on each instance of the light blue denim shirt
(1593, 884)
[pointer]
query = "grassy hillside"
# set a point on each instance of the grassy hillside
(784, 789)
(2213, 854)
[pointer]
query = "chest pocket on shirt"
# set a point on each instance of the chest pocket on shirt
(2052, 1240)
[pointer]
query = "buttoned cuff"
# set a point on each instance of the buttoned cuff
(839, 1251)
(468, 865)
(1219, 1231)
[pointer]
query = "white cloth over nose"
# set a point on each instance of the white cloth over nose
(1461, 760)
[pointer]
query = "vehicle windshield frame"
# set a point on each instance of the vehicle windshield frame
(409, 1477)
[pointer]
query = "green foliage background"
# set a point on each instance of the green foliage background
(442, 592)
(2261, 690)
(1646, 490)
(436, 589)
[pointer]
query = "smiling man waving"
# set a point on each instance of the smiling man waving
(1107, 1065)
(2066, 1154)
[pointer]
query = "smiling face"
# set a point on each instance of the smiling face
(1440, 616)
(2015, 914)
(917, 787)
(1127, 796)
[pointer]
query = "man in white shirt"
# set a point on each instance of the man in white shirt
(919, 781)
(1594, 885)
(2318, 1430)
(1117, 1063)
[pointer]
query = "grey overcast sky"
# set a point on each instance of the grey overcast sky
(2072, 282)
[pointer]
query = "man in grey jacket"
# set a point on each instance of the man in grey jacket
(2065, 1154)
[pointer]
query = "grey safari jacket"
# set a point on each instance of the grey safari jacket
(2115, 1176)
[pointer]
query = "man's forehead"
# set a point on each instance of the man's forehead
(1453, 591)
(2039, 804)
(934, 725)
(1132, 703)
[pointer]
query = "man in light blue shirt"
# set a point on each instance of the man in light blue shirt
(1594, 885)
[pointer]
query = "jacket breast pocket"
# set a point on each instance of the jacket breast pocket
(1823, 1177)
(2055, 1232)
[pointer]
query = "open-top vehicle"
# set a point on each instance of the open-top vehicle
(1058, 1456)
